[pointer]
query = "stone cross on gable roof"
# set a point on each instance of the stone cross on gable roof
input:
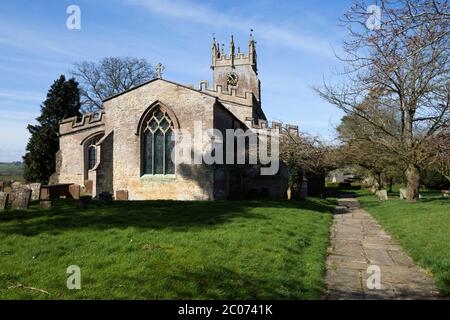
(159, 69)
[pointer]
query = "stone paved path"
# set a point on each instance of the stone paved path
(357, 242)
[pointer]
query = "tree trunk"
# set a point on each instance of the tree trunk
(390, 184)
(379, 180)
(412, 183)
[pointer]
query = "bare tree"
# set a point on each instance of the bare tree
(108, 77)
(437, 151)
(306, 155)
(357, 149)
(400, 68)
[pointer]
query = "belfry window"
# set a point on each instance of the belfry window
(158, 144)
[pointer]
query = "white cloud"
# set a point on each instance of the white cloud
(203, 14)
(21, 96)
(23, 38)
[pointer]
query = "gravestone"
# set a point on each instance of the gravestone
(45, 193)
(304, 190)
(105, 197)
(382, 195)
(75, 191)
(2, 186)
(375, 188)
(83, 203)
(16, 185)
(403, 193)
(89, 187)
(3, 200)
(22, 199)
(45, 204)
(122, 195)
(35, 191)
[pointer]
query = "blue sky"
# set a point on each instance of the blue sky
(295, 43)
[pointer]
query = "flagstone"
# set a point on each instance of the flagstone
(359, 242)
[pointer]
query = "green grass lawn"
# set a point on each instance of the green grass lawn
(168, 250)
(421, 228)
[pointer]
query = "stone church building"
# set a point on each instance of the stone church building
(125, 150)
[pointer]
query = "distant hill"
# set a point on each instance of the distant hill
(12, 169)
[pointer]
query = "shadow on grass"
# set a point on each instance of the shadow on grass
(217, 283)
(175, 215)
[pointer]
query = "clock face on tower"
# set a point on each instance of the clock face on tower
(232, 79)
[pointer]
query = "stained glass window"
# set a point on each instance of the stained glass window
(158, 144)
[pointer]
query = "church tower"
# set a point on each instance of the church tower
(236, 70)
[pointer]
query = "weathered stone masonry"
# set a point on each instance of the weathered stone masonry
(116, 135)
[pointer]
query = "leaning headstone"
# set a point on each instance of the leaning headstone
(382, 195)
(122, 195)
(45, 204)
(35, 191)
(402, 193)
(3, 200)
(75, 191)
(21, 199)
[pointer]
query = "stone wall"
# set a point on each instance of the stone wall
(71, 157)
(119, 162)
(103, 173)
(191, 182)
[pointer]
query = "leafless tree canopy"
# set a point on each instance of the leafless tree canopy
(306, 154)
(397, 78)
(108, 77)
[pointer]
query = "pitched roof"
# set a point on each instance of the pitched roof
(153, 80)
(177, 84)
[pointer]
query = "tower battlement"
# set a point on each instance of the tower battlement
(89, 120)
(271, 126)
(231, 95)
(236, 70)
(234, 57)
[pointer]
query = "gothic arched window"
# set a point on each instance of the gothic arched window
(92, 157)
(158, 143)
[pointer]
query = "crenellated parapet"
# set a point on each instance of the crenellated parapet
(260, 124)
(233, 58)
(237, 59)
(88, 121)
(231, 95)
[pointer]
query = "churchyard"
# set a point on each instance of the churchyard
(115, 200)
(261, 249)
(167, 250)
